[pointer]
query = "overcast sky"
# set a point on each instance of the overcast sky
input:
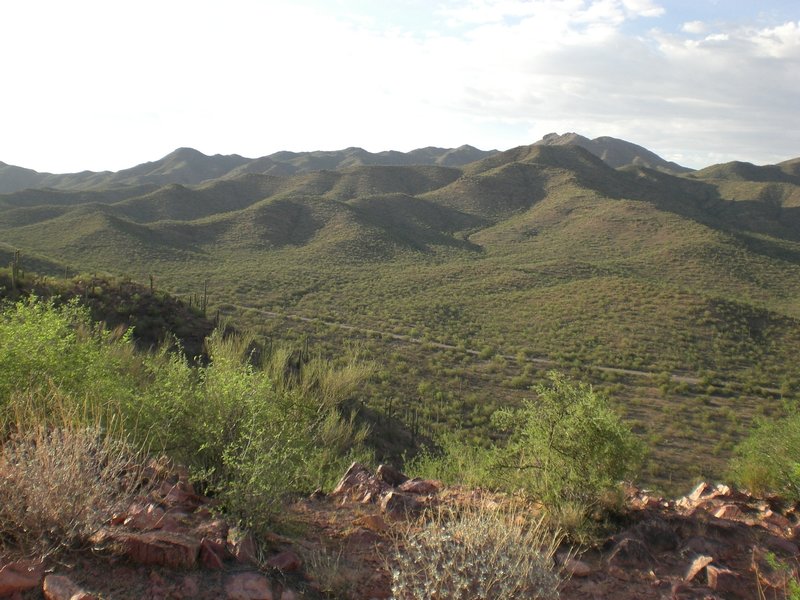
(109, 84)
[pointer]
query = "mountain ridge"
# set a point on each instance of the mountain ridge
(187, 166)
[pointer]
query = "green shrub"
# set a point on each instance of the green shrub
(248, 432)
(769, 458)
(456, 461)
(475, 555)
(567, 445)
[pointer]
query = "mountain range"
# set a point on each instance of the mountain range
(582, 252)
(187, 166)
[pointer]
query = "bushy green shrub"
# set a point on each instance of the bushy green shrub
(566, 445)
(768, 460)
(475, 555)
(249, 434)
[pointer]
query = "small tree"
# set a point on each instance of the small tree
(568, 445)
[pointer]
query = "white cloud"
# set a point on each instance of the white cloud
(695, 27)
(106, 85)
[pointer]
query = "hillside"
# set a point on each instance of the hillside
(677, 293)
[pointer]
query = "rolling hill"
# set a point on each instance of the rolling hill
(690, 281)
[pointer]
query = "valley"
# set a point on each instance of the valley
(465, 276)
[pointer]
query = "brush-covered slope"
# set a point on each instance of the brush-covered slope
(541, 251)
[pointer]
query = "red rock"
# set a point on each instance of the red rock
(58, 587)
(778, 520)
(698, 492)
(162, 548)
(145, 517)
(211, 555)
(730, 512)
(357, 483)
(19, 577)
(242, 546)
(248, 586)
(724, 580)
(289, 595)
(419, 486)
(699, 563)
(286, 561)
(400, 506)
(390, 475)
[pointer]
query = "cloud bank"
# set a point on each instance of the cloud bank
(106, 85)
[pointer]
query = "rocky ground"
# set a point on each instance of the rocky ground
(715, 543)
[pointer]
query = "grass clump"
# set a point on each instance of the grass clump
(475, 554)
(58, 486)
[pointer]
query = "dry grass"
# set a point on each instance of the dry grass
(59, 485)
(476, 554)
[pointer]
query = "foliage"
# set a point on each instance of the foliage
(249, 436)
(567, 445)
(769, 459)
(457, 461)
(475, 555)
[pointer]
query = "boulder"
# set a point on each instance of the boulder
(358, 483)
(399, 506)
(162, 548)
(422, 487)
(285, 562)
(212, 553)
(730, 512)
(390, 475)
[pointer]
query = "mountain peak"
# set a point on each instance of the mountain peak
(614, 152)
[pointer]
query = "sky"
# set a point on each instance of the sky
(105, 85)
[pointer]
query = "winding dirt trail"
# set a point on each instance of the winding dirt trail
(678, 378)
